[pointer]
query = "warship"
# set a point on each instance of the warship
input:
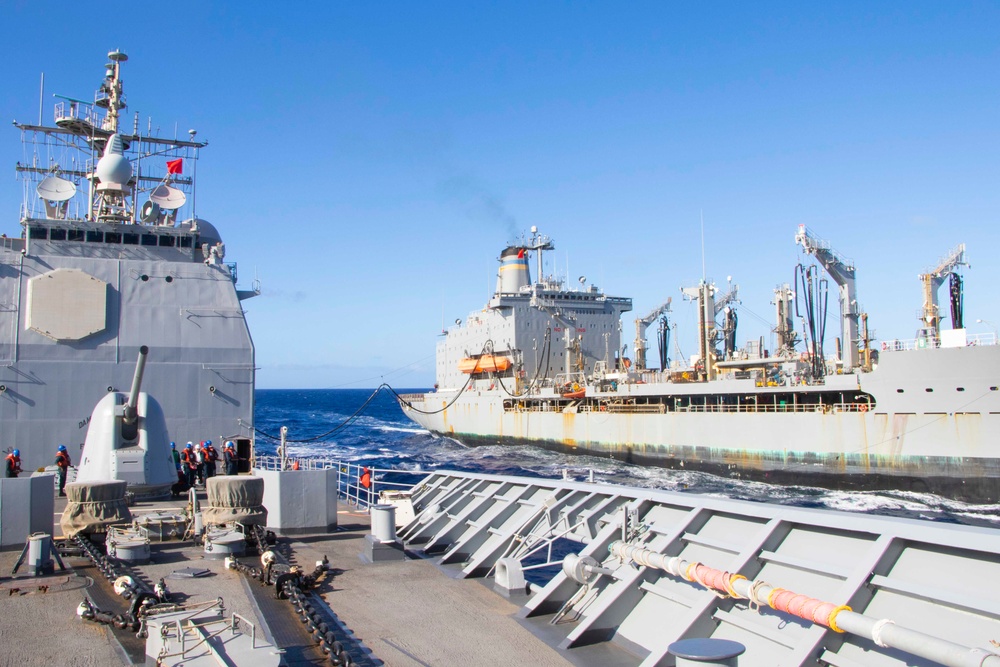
(111, 257)
(546, 365)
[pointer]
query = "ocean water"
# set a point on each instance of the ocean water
(337, 423)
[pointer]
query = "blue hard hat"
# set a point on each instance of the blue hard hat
(208, 442)
(188, 446)
(62, 448)
(173, 446)
(17, 452)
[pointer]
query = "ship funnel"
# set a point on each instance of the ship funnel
(514, 273)
(131, 408)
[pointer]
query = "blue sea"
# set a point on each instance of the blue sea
(338, 424)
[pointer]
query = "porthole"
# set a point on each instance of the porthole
(144, 277)
(169, 279)
(929, 390)
(899, 391)
(959, 388)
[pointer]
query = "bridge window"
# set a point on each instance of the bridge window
(130, 239)
(113, 237)
(149, 239)
(38, 233)
(57, 234)
(74, 235)
(167, 241)
(94, 237)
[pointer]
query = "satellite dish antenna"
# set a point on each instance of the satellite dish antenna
(167, 197)
(53, 188)
(582, 279)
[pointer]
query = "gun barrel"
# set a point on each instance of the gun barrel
(131, 408)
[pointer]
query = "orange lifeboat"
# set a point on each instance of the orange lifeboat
(488, 363)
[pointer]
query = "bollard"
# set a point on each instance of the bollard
(384, 522)
(382, 544)
(705, 651)
(39, 550)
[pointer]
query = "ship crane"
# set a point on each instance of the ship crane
(842, 271)
(930, 316)
(708, 309)
(641, 324)
(724, 305)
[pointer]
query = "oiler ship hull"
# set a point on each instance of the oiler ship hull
(924, 420)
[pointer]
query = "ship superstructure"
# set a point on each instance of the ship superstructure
(545, 365)
(112, 257)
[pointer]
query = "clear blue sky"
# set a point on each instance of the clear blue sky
(370, 160)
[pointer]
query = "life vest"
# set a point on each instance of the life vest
(230, 454)
(211, 455)
(62, 460)
(14, 462)
(188, 459)
(366, 478)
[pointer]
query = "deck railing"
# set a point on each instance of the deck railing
(900, 345)
(661, 408)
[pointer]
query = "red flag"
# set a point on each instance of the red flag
(520, 253)
(175, 166)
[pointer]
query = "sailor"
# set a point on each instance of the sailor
(229, 451)
(176, 455)
(14, 463)
(211, 456)
(366, 478)
(199, 461)
(190, 464)
(62, 467)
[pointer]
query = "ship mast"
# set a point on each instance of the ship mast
(110, 95)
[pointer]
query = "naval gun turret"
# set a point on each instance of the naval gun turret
(127, 440)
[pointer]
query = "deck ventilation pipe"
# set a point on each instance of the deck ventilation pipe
(884, 632)
(384, 523)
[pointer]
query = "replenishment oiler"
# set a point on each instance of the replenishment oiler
(546, 365)
(112, 257)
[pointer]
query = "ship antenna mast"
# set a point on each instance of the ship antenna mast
(702, 213)
(113, 89)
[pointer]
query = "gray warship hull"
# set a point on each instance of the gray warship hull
(201, 362)
(925, 417)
